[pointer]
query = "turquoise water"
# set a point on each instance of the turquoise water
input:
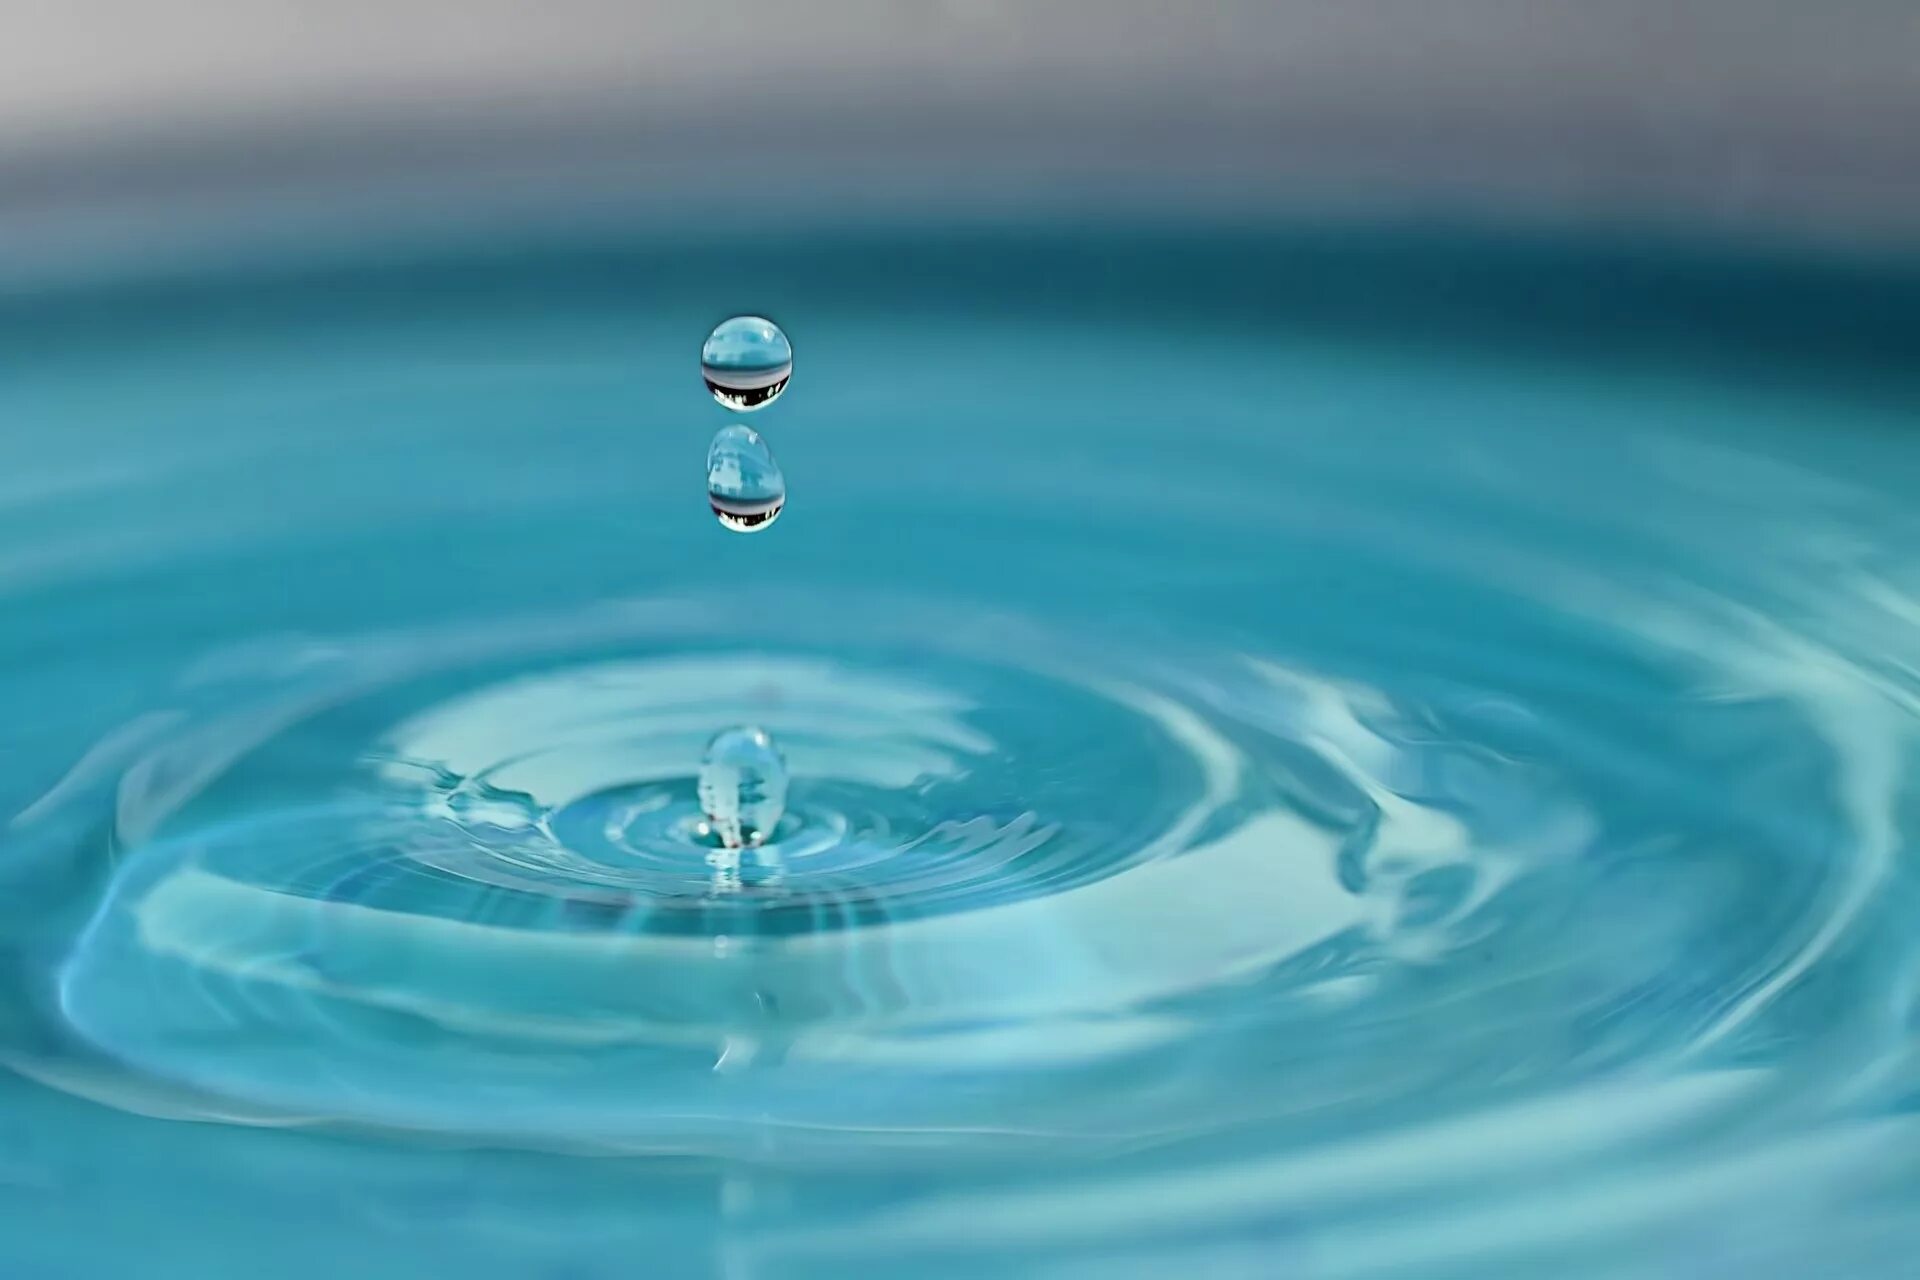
(1314, 753)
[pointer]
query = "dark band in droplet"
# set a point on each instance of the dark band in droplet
(745, 515)
(727, 392)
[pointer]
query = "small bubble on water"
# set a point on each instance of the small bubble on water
(744, 484)
(743, 787)
(746, 362)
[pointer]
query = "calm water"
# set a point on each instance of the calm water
(1325, 754)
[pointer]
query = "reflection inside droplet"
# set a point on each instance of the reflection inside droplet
(746, 362)
(743, 787)
(744, 484)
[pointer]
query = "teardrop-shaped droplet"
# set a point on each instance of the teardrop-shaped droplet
(743, 787)
(744, 483)
(746, 362)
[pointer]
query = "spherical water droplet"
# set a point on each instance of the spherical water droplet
(743, 787)
(744, 483)
(746, 362)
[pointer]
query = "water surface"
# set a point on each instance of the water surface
(1313, 753)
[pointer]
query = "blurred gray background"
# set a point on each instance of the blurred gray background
(126, 127)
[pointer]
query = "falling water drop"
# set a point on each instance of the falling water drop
(743, 787)
(744, 483)
(746, 362)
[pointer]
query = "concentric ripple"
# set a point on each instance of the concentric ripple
(1420, 826)
(495, 868)
(353, 871)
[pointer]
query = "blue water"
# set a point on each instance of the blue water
(1315, 753)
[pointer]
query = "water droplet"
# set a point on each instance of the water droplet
(744, 483)
(743, 787)
(746, 362)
